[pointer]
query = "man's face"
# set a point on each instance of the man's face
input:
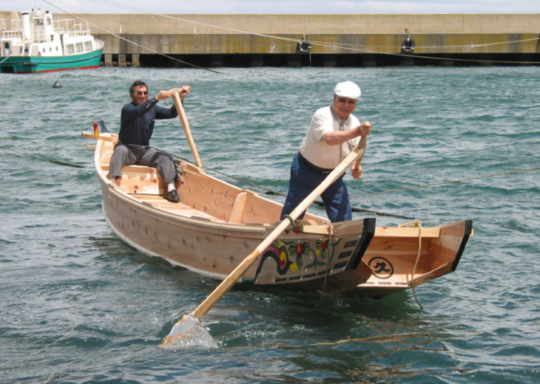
(344, 106)
(140, 95)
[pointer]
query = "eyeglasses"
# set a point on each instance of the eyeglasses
(347, 101)
(142, 93)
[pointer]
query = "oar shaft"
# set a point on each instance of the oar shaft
(239, 271)
(183, 119)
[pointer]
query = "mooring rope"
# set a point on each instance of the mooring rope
(198, 22)
(445, 182)
(378, 213)
(272, 192)
(347, 46)
(37, 352)
(59, 162)
(383, 338)
(335, 46)
(7, 57)
(416, 224)
(130, 41)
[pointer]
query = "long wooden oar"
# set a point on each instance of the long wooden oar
(175, 92)
(182, 327)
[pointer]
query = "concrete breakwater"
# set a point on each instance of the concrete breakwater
(319, 40)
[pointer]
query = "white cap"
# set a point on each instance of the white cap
(348, 89)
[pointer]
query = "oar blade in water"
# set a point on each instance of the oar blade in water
(186, 333)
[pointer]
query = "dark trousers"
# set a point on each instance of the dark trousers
(142, 155)
(304, 180)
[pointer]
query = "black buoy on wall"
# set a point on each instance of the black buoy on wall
(408, 44)
(303, 46)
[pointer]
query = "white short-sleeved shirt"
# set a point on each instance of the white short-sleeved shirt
(313, 147)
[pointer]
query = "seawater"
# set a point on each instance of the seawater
(77, 305)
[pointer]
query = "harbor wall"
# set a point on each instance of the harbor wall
(218, 39)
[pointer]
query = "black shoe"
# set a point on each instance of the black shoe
(172, 196)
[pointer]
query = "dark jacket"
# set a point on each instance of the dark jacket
(137, 121)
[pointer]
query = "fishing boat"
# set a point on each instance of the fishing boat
(216, 224)
(35, 43)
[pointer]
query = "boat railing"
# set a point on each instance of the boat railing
(70, 27)
(11, 34)
(3, 25)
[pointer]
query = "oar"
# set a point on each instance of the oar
(186, 325)
(175, 92)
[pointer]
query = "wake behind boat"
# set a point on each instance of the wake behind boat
(36, 43)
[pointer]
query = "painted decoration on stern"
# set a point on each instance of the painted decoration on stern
(296, 260)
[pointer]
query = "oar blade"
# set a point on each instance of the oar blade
(187, 333)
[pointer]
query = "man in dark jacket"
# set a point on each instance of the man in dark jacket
(136, 128)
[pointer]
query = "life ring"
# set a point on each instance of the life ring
(408, 45)
(304, 46)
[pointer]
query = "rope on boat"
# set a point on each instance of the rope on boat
(330, 234)
(416, 224)
(290, 219)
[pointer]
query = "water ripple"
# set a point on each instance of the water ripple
(79, 303)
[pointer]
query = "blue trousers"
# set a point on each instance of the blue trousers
(304, 180)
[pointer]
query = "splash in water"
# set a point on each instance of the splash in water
(187, 333)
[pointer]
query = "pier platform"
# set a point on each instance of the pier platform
(216, 40)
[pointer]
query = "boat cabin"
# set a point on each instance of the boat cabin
(35, 34)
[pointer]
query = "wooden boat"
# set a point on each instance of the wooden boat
(36, 43)
(217, 224)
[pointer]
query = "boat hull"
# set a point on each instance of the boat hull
(40, 64)
(216, 225)
(214, 249)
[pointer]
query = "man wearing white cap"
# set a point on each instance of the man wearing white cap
(333, 133)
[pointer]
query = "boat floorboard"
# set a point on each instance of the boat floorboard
(180, 208)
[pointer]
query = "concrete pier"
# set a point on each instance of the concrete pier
(329, 40)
